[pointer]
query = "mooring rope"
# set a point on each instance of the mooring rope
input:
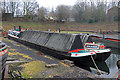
(95, 65)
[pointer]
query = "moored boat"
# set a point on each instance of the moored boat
(97, 50)
(74, 46)
(111, 41)
(15, 33)
(3, 57)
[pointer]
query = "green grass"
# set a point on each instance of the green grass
(33, 69)
(25, 25)
(69, 26)
(75, 32)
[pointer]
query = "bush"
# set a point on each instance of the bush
(96, 20)
(90, 21)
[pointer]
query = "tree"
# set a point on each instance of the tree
(90, 11)
(62, 12)
(41, 13)
(119, 4)
(81, 11)
(18, 10)
(29, 9)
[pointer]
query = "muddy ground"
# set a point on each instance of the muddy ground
(36, 62)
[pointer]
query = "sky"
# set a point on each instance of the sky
(54, 3)
(49, 4)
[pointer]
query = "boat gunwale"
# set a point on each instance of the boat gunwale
(4, 48)
(4, 52)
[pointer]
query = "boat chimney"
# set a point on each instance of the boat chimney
(19, 28)
(14, 28)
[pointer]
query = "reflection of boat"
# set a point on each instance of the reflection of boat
(92, 49)
(102, 67)
(3, 57)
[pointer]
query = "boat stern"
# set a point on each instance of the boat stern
(98, 51)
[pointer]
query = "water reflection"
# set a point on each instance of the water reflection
(109, 66)
(102, 66)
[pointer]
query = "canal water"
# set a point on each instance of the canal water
(109, 67)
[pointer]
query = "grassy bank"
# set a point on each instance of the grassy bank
(109, 26)
(75, 32)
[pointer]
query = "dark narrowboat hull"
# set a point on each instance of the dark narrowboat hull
(102, 57)
(3, 59)
(2, 64)
(62, 55)
(98, 57)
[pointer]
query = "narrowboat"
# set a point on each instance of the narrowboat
(97, 50)
(14, 32)
(74, 46)
(111, 41)
(3, 57)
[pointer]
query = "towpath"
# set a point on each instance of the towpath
(36, 67)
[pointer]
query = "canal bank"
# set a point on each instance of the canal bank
(36, 59)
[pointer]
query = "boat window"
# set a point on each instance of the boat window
(91, 46)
